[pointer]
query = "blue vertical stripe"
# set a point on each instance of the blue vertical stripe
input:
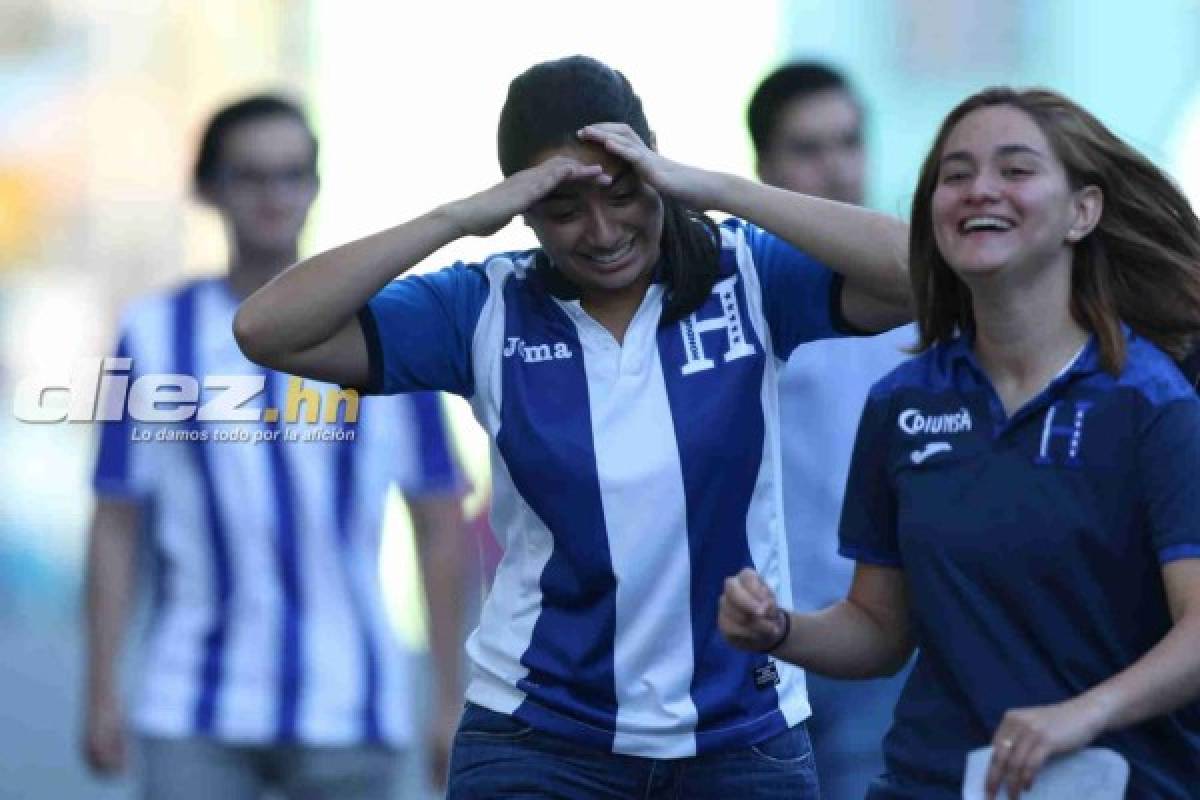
(545, 439)
(437, 465)
(720, 430)
(113, 457)
(212, 661)
(287, 554)
(344, 482)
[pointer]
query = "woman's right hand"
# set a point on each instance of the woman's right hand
(103, 742)
(747, 613)
(486, 212)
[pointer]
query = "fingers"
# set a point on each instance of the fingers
(439, 763)
(618, 139)
(758, 588)
(554, 172)
(562, 169)
(736, 626)
(744, 595)
(1033, 761)
(1023, 764)
(486, 212)
(602, 132)
(747, 613)
(105, 752)
(1020, 747)
(106, 737)
(997, 772)
(1008, 774)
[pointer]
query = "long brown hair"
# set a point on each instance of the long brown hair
(1140, 265)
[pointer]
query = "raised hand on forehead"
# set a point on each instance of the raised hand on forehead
(486, 212)
(695, 188)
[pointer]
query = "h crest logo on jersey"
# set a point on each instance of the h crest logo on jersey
(693, 328)
(1071, 432)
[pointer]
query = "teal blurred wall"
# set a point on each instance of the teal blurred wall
(1136, 65)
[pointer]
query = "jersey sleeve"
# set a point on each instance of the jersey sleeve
(1168, 461)
(419, 331)
(121, 470)
(801, 296)
(867, 532)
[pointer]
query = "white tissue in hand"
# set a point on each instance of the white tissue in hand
(1096, 773)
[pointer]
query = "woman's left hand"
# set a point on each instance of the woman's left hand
(1028, 737)
(695, 188)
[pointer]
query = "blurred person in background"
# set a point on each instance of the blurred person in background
(268, 661)
(806, 124)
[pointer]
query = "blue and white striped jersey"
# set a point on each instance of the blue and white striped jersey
(629, 481)
(268, 624)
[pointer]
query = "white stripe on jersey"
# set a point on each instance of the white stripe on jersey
(764, 518)
(655, 714)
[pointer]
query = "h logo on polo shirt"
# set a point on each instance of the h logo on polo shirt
(1071, 431)
(730, 321)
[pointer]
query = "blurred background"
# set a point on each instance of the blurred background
(101, 102)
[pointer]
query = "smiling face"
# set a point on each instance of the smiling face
(605, 239)
(1002, 200)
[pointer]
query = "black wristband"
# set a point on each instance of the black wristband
(787, 628)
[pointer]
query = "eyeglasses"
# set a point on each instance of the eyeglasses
(252, 179)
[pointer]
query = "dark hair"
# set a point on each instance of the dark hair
(1140, 265)
(249, 109)
(794, 81)
(545, 107)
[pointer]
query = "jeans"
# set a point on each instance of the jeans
(496, 755)
(202, 769)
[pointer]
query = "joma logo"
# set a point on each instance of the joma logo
(535, 353)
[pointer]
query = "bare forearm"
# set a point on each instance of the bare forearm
(108, 591)
(844, 641)
(865, 246)
(1165, 678)
(312, 301)
(438, 528)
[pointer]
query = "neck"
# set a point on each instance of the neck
(1024, 331)
(250, 268)
(615, 309)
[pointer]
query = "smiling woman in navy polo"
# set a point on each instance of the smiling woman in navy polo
(1021, 499)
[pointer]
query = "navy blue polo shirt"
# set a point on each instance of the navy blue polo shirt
(1032, 548)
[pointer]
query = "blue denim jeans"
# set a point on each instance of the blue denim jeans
(496, 755)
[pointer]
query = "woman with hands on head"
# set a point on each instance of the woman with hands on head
(625, 372)
(1021, 502)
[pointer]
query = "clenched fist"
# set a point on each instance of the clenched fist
(749, 616)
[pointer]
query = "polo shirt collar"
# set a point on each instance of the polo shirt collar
(961, 350)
